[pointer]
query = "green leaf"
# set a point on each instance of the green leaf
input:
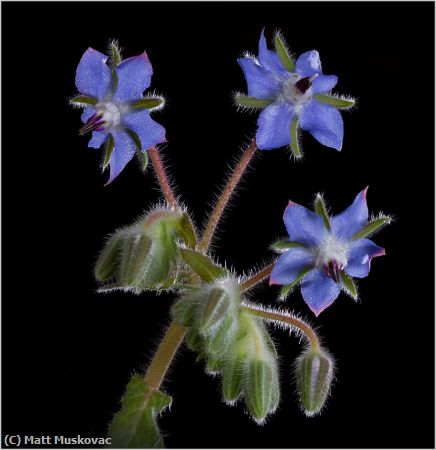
(295, 145)
(110, 144)
(207, 270)
(286, 290)
(251, 102)
(337, 102)
(349, 285)
(134, 426)
(84, 100)
(321, 210)
(373, 226)
(186, 231)
(148, 103)
(283, 53)
(281, 246)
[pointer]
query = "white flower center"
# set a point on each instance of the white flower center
(292, 94)
(332, 250)
(110, 113)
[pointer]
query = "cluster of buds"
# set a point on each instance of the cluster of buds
(145, 255)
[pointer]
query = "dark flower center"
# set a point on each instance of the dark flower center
(304, 84)
(95, 123)
(333, 270)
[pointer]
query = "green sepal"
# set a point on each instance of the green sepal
(84, 100)
(214, 311)
(110, 144)
(194, 341)
(221, 340)
(214, 365)
(185, 310)
(295, 144)
(251, 102)
(108, 261)
(336, 102)
(261, 388)
(283, 54)
(286, 290)
(321, 210)
(281, 246)
(135, 259)
(148, 103)
(207, 270)
(232, 379)
(135, 426)
(349, 285)
(313, 386)
(143, 160)
(135, 138)
(113, 61)
(186, 231)
(372, 227)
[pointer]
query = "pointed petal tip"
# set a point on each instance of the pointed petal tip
(272, 281)
(364, 192)
(381, 252)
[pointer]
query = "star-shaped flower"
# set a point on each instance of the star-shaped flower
(325, 253)
(115, 111)
(293, 95)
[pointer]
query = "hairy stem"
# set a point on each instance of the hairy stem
(225, 196)
(257, 278)
(164, 355)
(286, 319)
(162, 177)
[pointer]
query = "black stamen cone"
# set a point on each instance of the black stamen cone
(303, 84)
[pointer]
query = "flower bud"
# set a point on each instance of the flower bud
(223, 337)
(261, 387)
(232, 379)
(194, 341)
(108, 261)
(314, 374)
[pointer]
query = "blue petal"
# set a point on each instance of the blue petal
(88, 112)
(352, 219)
(134, 77)
(274, 126)
(269, 59)
(324, 123)
(93, 76)
(290, 265)
(149, 132)
(319, 290)
(360, 254)
(261, 83)
(122, 153)
(324, 83)
(308, 64)
(97, 140)
(303, 225)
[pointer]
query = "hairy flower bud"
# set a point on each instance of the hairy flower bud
(314, 375)
(232, 379)
(108, 261)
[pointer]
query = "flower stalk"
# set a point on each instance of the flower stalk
(162, 177)
(257, 278)
(225, 196)
(164, 355)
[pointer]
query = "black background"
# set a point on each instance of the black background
(68, 352)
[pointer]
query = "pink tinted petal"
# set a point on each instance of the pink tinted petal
(149, 132)
(351, 220)
(303, 225)
(134, 77)
(93, 76)
(290, 265)
(274, 126)
(261, 83)
(360, 254)
(319, 291)
(122, 153)
(323, 122)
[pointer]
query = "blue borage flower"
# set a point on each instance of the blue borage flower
(293, 95)
(325, 253)
(111, 91)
